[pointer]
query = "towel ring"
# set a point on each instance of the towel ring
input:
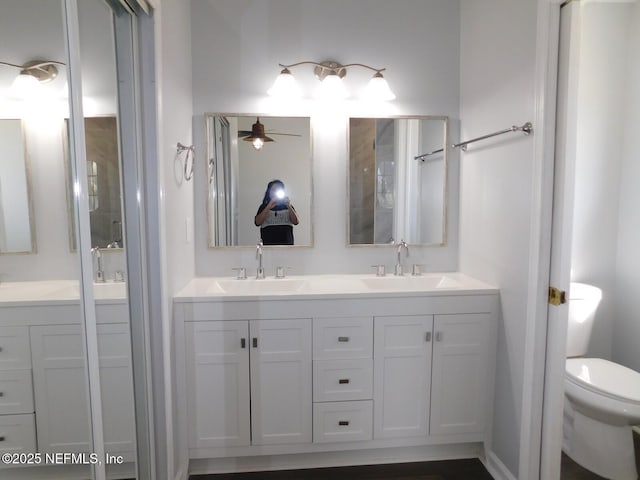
(188, 166)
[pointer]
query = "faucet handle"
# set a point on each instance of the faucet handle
(260, 273)
(119, 276)
(415, 270)
(380, 270)
(280, 271)
(242, 273)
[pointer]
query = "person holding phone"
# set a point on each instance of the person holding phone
(276, 216)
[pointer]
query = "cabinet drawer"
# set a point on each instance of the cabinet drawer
(337, 380)
(17, 433)
(14, 348)
(16, 392)
(342, 421)
(350, 337)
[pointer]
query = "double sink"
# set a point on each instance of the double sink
(323, 284)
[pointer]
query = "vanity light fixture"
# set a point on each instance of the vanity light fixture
(330, 74)
(31, 75)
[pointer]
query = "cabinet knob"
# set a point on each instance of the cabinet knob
(255, 342)
(2, 438)
(343, 423)
(243, 343)
(439, 336)
(1, 394)
(343, 381)
(343, 339)
(427, 337)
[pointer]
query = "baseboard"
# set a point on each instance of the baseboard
(182, 473)
(497, 469)
(334, 459)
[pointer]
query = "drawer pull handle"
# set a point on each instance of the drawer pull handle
(343, 423)
(439, 336)
(427, 337)
(243, 343)
(0, 349)
(2, 439)
(343, 381)
(255, 342)
(1, 394)
(343, 339)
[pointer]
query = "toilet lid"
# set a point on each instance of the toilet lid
(605, 377)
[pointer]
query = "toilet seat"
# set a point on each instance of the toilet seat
(605, 378)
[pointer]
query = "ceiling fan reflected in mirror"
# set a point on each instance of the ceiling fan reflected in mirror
(257, 135)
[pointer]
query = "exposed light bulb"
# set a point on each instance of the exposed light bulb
(257, 143)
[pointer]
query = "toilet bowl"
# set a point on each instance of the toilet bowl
(602, 398)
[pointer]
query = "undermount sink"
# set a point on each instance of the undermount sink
(253, 286)
(411, 283)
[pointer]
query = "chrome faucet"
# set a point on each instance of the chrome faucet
(399, 269)
(99, 276)
(260, 272)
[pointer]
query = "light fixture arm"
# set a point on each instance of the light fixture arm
(338, 66)
(43, 70)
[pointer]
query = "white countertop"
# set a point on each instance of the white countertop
(57, 292)
(331, 286)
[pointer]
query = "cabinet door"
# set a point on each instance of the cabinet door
(62, 415)
(460, 374)
(402, 367)
(218, 383)
(281, 381)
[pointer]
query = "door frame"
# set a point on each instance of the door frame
(534, 432)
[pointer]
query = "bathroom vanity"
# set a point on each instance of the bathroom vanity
(43, 392)
(326, 364)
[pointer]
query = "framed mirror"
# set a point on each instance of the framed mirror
(17, 232)
(103, 181)
(245, 154)
(393, 196)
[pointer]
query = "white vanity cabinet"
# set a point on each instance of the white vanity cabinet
(17, 428)
(249, 382)
(59, 379)
(402, 366)
(460, 374)
(277, 380)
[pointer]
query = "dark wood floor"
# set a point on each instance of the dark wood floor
(572, 471)
(470, 469)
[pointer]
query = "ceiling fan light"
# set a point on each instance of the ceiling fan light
(378, 89)
(285, 86)
(332, 88)
(257, 143)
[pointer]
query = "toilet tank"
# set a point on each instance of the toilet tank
(583, 303)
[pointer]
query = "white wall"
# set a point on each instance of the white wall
(174, 113)
(626, 329)
(498, 39)
(236, 50)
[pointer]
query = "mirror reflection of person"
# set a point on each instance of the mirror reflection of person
(276, 216)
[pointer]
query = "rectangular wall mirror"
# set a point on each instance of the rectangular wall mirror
(103, 181)
(17, 233)
(392, 196)
(241, 163)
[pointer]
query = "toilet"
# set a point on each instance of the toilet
(602, 398)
